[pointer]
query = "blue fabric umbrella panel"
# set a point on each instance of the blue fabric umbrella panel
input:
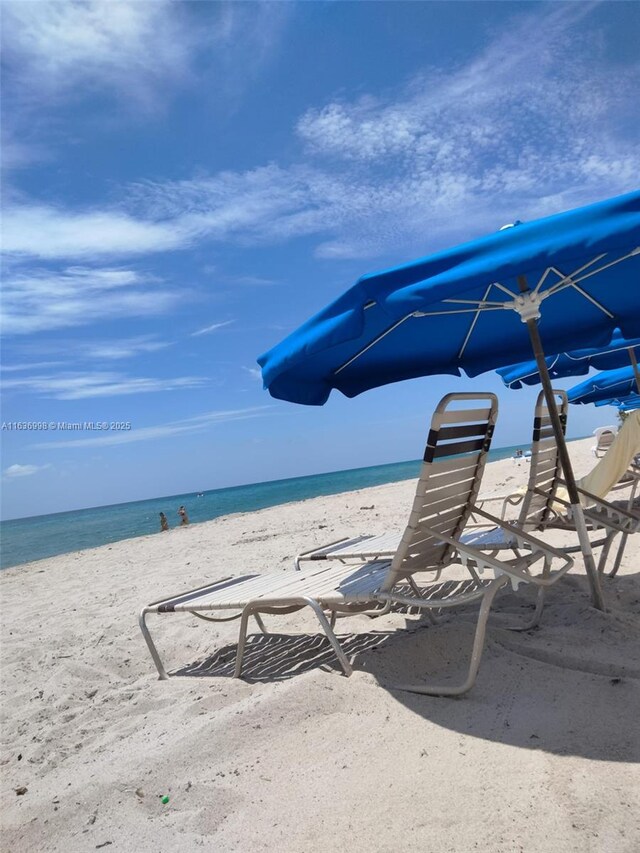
(626, 404)
(464, 308)
(608, 385)
(576, 363)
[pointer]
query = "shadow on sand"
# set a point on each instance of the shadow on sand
(570, 687)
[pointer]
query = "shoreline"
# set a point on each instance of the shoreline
(150, 507)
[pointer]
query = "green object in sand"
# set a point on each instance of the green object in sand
(164, 799)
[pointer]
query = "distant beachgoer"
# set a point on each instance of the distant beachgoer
(164, 524)
(184, 518)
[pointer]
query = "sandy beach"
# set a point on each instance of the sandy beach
(542, 754)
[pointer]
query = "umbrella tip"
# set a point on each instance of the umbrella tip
(511, 225)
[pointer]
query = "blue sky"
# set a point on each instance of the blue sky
(185, 183)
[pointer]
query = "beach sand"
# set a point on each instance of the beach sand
(542, 754)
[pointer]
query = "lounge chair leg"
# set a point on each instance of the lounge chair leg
(537, 614)
(375, 614)
(619, 555)
(261, 625)
(605, 553)
(433, 619)
(476, 652)
(151, 645)
(242, 639)
(326, 627)
(416, 591)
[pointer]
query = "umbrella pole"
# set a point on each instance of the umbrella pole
(565, 462)
(634, 362)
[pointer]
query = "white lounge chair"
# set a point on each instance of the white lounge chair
(604, 438)
(447, 489)
(619, 469)
(545, 505)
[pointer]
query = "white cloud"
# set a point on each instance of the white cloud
(198, 423)
(252, 281)
(120, 349)
(40, 300)
(14, 471)
(139, 52)
(82, 386)
(526, 128)
(33, 365)
(212, 328)
(136, 54)
(60, 47)
(254, 373)
(43, 231)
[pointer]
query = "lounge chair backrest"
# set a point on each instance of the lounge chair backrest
(454, 459)
(605, 437)
(545, 471)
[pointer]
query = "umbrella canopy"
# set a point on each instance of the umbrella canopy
(625, 404)
(630, 403)
(476, 307)
(608, 385)
(447, 311)
(576, 363)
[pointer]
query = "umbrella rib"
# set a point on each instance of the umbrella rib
(372, 344)
(503, 289)
(590, 298)
(473, 323)
(417, 314)
(483, 305)
(500, 306)
(572, 279)
(543, 278)
(480, 305)
(566, 279)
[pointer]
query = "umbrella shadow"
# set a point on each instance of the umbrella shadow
(570, 687)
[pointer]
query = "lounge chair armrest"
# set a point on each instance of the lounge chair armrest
(631, 477)
(484, 560)
(523, 536)
(322, 547)
(511, 499)
(610, 509)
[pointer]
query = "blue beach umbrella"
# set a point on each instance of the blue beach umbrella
(617, 353)
(608, 385)
(554, 284)
(623, 403)
(630, 403)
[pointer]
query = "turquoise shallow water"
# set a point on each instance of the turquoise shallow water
(27, 539)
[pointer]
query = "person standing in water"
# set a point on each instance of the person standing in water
(184, 518)
(164, 524)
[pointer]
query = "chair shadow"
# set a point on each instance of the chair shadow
(274, 657)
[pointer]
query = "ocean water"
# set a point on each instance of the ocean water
(26, 539)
